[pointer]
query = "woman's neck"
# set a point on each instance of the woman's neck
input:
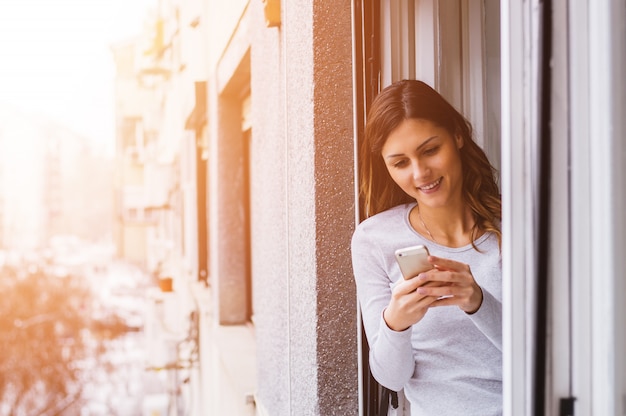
(448, 226)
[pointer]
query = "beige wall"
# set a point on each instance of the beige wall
(299, 78)
(223, 18)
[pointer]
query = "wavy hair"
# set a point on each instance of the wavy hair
(412, 99)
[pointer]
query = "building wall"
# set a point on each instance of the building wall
(280, 201)
(271, 219)
(303, 194)
(223, 18)
(301, 199)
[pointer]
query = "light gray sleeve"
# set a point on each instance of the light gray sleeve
(391, 355)
(488, 319)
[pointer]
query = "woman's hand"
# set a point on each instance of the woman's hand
(407, 305)
(452, 284)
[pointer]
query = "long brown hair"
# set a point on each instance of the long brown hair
(408, 99)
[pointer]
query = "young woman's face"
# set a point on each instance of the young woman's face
(424, 160)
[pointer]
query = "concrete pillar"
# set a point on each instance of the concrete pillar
(306, 336)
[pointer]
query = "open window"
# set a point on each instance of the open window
(454, 46)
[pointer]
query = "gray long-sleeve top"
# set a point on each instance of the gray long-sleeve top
(449, 363)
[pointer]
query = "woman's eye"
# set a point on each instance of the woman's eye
(400, 164)
(431, 150)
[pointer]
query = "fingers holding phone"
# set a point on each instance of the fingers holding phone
(413, 261)
(455, 285)
(407, 306)
(447, 281)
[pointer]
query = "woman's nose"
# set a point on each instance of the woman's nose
(418, 170)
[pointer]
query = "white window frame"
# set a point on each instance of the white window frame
(598, 129)
(587, 226)
(517, 211)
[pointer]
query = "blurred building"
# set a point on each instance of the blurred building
(238, 129)
(2, 193)
(52, 183)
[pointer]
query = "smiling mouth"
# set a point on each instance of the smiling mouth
(430, 186)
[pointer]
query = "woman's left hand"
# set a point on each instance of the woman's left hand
(455, 285)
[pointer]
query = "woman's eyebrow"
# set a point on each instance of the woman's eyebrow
(418, 148)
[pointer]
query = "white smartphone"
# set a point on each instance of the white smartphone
(413, 260)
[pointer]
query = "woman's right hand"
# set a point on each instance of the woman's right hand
(407, 307)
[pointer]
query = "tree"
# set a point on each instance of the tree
(44, 326)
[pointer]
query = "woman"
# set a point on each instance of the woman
(425, 181)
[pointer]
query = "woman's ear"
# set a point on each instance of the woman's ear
(459, 141)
